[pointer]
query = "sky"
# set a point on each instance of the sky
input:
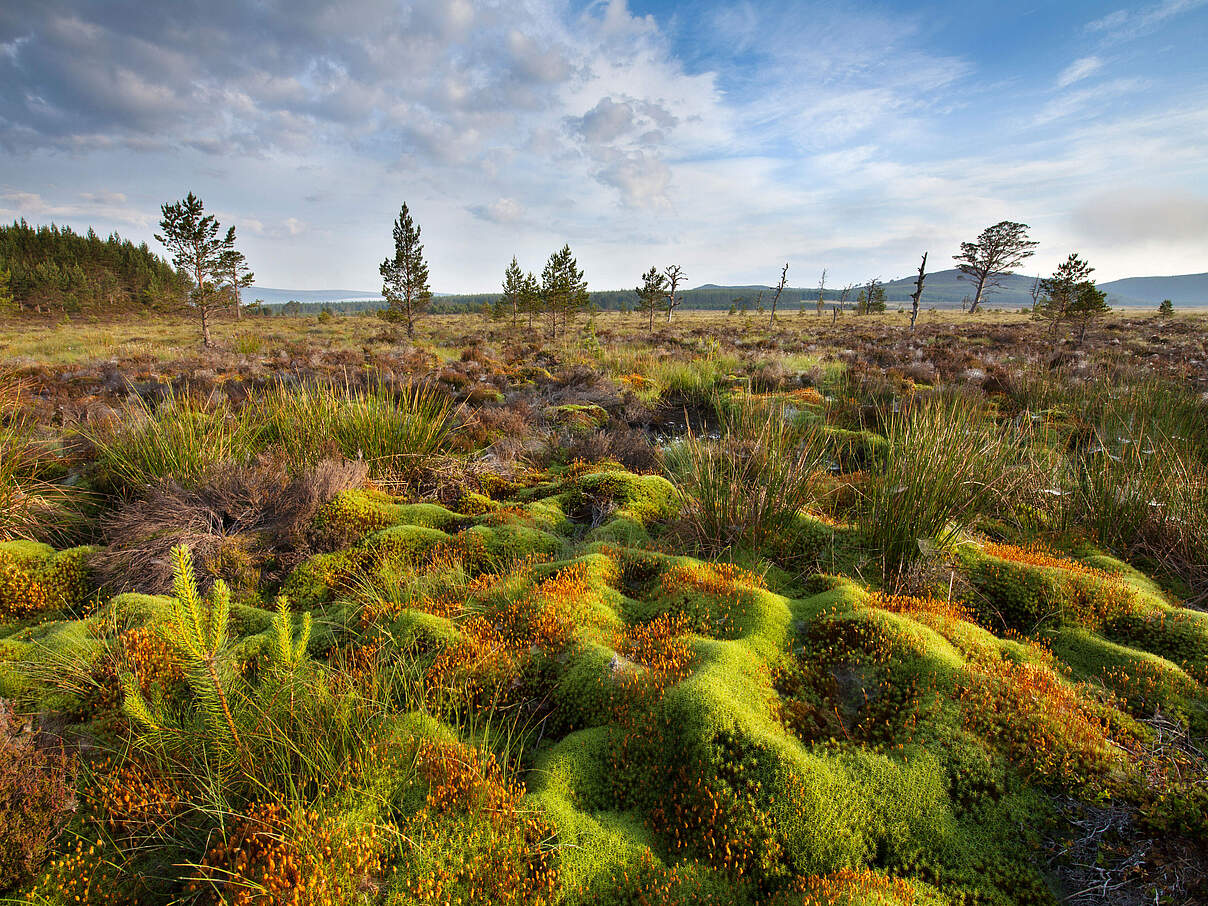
(727, 137)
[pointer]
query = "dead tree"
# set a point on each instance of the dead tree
(784, 275)
(674, 275)
(918, 292)
(844, 294)
(821, 290)
(1035, 294)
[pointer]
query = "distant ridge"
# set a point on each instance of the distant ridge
(1183, 289)
(274, 296)
(942, 289)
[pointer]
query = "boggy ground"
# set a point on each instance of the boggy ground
(901, 619)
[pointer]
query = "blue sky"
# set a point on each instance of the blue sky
(727, 137)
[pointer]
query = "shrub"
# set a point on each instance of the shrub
(238, 520)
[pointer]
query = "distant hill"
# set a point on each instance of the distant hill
(272, 296)
(1186, 289)
(947, 289)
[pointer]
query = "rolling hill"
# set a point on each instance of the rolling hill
(1184, 289)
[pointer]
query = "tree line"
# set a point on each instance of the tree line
(53, 268)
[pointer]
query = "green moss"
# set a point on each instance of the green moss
(578, 418)
(486, 546)
(855, 451)
(35, 578)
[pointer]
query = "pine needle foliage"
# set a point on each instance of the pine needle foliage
(197, 631)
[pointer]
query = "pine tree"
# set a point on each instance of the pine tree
(1071, 295)
(7, 302)
(999, 249)
(234, 272)
(196, 631)
(191, 236)
(563, 289)
(651, 293)
(405, 276)
(1059, 292)
(1166, 308)
(871, 298)
(1090, 304)
(530, 297)
(513, 289)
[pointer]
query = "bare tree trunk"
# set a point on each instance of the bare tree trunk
(784, 274)
(205, 326)
(918, 292)
(675, 274)
(977, 297)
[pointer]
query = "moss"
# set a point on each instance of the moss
(486, 546)
(311, 582)
(835, 548)
(474, 504)
(642, 498)
(35, 579)
(578, 418)
(855, 451)
(405, 542)
(352, 514)
(1147, 682)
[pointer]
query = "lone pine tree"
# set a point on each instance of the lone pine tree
(191, 236)
(999, 249)
(405, 276)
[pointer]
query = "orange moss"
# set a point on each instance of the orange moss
(131, 798)
(274, 857)
(911, 606)
(1039, 720)
(708, 578)
(486, 847)
(808, 395)
(1037, 554)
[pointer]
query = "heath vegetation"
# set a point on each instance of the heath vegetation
(823, 607)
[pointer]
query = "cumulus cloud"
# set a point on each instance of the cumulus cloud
(501, 210)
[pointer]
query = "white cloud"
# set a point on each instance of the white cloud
(1079, 70)
(513, 130)
(1125, 24)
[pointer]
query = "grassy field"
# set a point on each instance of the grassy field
(819, 612)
